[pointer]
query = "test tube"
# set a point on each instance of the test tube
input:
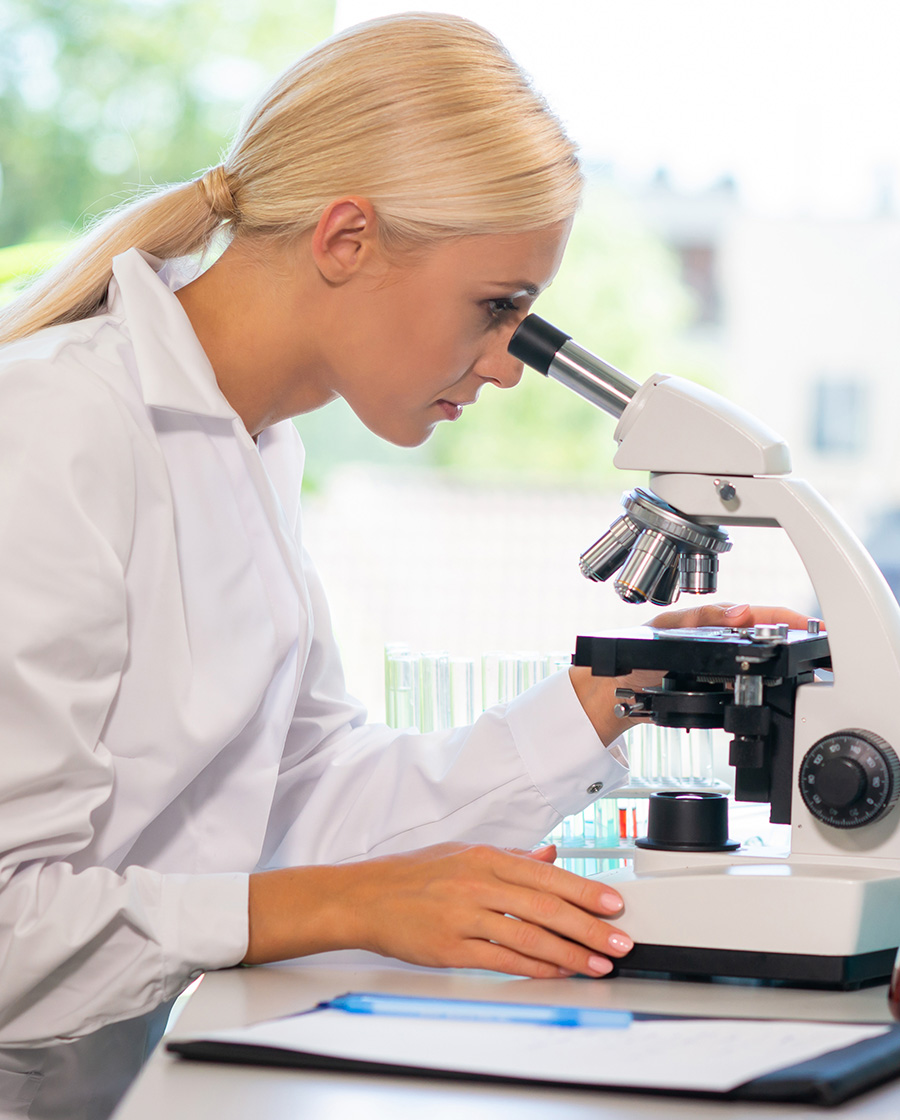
(588, 827)
(628, 826)
(529, 670)
(400, 685)
(555, 661)
(673, 770)
(701, 755)
(498, 678)
(654, 738)
(635, 746)
(464, 703)
(434, 691)
(605, 822)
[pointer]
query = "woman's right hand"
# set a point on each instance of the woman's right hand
(452, 905)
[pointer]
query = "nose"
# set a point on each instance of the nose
(498, 366)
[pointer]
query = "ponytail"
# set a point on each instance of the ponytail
(171, 222)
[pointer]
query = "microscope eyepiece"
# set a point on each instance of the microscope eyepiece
(554, 353)
(536, 342)
(660, 552)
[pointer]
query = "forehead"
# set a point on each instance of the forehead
(526, 261)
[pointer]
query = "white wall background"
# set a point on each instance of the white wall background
(796, 99)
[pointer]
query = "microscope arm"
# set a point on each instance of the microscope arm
(861, 615)
(860, 612)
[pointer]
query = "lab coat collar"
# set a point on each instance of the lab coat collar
(174, 370)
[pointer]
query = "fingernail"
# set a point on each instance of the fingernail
(610, 901)
(621, 941)
(567, 972)
(600, 965)
(738, 609)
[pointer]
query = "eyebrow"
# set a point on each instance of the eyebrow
(521, 287)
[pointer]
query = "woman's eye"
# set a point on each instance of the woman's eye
(498, 308)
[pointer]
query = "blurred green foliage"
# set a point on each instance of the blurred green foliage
(99, 97)
(18, 263)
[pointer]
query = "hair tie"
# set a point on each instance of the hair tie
(217, 192)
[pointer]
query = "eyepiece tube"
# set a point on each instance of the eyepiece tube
(550, 351)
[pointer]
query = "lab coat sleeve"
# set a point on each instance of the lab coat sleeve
(350, 789)
(79, 947)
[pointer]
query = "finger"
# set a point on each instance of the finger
(729, 614)
(525, 939)
(587, 894)
(501, 958)
(546, 852)
(794, 619)
(694, 616)
(545, 918)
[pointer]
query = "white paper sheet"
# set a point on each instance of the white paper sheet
(697, 1054)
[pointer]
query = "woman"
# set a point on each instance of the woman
(175, 712)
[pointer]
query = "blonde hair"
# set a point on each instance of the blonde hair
(427, 116)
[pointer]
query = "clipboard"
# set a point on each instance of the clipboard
(533, 1044)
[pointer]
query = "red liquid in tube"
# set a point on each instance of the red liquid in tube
(894, 989)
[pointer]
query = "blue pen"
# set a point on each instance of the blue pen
(425, 1007)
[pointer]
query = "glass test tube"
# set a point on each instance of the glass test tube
(605, 821)
(529, 670)
(434, 691)
(400, 685)
(465, 704)
(553, 662)
(701, 755)
(498, 678)
(670, 756)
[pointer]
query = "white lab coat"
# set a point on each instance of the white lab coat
(172, 704)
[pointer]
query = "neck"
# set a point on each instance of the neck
(252, 313)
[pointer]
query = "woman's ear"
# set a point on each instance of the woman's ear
(344, 238)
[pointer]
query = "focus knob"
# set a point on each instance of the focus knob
(850, 779)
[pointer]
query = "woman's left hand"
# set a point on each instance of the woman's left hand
(598, 694)
(728, 614)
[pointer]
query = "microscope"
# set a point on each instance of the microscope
(812, 716)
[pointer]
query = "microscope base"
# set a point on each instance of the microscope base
(679, 962)
(777, 919)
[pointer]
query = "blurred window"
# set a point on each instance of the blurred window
(839, 414)
(698, 271)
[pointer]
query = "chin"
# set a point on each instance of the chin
(410, 442)
(413, 438)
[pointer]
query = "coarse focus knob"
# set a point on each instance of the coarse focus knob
(850, 779)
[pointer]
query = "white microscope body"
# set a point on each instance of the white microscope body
(835, 899)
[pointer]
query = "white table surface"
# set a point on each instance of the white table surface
(175, 1089)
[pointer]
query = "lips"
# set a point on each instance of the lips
(451, 410)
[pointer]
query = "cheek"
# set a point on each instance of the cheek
(415, 338)
(447, 342)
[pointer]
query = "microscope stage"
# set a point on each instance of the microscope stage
(701, 651)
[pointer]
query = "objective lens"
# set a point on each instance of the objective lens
(667, 589)
(699, 572)
(644, 568)
(608, 554)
